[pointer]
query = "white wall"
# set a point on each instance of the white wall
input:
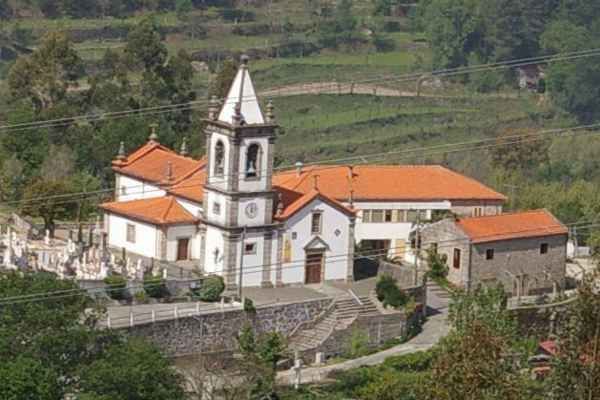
(192, 207)
(253, 263)
(333, 219)
(212, 198)
(261, 217)
(181, 232)
(214, 240)
(145, 236)
(254, 184)
(135, 189)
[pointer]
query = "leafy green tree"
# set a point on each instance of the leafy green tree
(51, 348)
(225, 76)
(42, 199)
(514, 153)
(576, 368)
(133, 370)
(47, 73)
(183, 7)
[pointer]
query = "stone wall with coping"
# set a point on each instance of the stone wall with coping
(217, 331)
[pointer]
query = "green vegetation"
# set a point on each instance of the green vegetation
(389, 293)
(53, 349)
(211, 288)
(116, 286)
(155, 287)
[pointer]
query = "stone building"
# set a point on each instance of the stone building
(524, 251)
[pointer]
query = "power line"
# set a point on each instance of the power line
(400, 78)
(318, 165)
(254, 269)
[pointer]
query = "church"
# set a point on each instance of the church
(230, 214)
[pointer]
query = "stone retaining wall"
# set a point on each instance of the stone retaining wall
(217, 331)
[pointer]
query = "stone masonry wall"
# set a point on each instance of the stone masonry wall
(522, 258)
(217, 331)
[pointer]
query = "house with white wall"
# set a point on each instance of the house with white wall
(230, 214)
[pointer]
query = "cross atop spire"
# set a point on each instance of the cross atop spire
(242, 98)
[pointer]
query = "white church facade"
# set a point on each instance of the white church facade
(229, 212)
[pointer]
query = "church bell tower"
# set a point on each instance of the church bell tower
(238, 198)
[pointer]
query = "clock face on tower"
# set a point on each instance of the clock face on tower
(251, 210)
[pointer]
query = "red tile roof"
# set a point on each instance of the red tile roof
(298, 202)
(387, 182)
(511, 226)
(191, 188)
(158, 210)
(150, 161)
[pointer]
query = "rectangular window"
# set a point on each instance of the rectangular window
(217, 208)
(131, 233)
(388, 216)
(477, 212)
(376, 215)
(294, 235)
(544, 248)
(315, 227)
(489, 254)
(123, 190)
(366, 215)
(411, 216)
(456, 259)
(250, 248)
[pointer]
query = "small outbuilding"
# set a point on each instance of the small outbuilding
(523, 251)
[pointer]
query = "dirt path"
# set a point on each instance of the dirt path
(360, 88)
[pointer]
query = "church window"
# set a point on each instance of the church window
(316, 222)
(252, 161)
(219, 158)
(131, 233)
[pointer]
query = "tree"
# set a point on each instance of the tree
(59, 164)
(51, 348)
(224, 78)
(183, 7)
(576, 367)
(45, 199)
(47, 73)
(519, 151)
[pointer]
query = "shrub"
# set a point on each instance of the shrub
(358, 344)
(349, 381)
(211, 288)
(389, 293)
(155, 287)
(415, 362)
(249, 306)
(438, 269)
(116, 287)
(141, 297)
(392, 26)
(383, 44)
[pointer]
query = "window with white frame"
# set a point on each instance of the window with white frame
(131, 233)
(216, 208)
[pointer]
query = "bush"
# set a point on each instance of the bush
(383, 44)
(141, 297)
(116, 287)
(389, 293)
(415, 362)
(438, 268)
(392, 26)
(249, 306)
(358, 344)
(155, 287)
(211, 288)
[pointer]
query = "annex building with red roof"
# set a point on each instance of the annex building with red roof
(524, 251)
(230, 211)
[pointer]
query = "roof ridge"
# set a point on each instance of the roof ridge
(170, 199)
(505, 214)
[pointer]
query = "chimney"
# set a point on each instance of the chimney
(299, 167)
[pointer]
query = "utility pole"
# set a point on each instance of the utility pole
(241, 271)
(418, 248)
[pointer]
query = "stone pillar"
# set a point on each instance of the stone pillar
(267, 260)
(230, 268)
(234, 165)
(351, 244)
(279, 265)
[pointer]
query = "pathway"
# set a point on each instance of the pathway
(435, 328)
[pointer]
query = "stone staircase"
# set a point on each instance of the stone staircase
(338, 317)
